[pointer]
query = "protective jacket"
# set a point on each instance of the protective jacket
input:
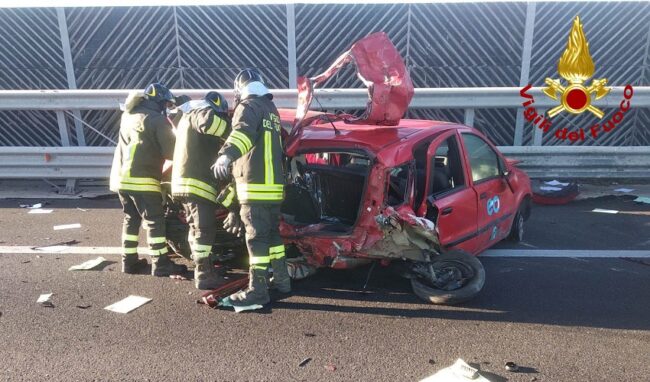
(199, 136)
(146, 139)
(255, 146)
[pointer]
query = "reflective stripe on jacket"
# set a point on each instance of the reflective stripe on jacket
(199, 137)
(145, 141)
(255, 147)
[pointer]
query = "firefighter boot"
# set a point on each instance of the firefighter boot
(281, 280)
(131, 264)
(257, 292)
(206, 276)
(162, 266)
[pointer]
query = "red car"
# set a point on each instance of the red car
(377, 187)
(428, 194)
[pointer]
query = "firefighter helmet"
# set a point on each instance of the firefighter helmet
(244, 78)
(158, 93)
(217, 102)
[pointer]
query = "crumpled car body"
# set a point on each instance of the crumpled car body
(373, 192)
(378, 187)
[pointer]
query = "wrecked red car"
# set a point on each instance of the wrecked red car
(379, 188)
(374, 187)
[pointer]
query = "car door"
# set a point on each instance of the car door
(495, 199)
(450, 200)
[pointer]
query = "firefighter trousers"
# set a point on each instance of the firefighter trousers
(203, 227)
(142, 207)
(262, 234)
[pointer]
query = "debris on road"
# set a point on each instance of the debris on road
(643, 199)
(556, 183)
(46, 300)
(128, 304)
(83, 306)
(309, 335)
(40, 211)
(604, 211)
(88, 265)
(67, 226)
(34, 206)
(512, 367)
(458, 372)
(82, 209)
(554, 192)
(432, 361)
(330, 367)
(25, 262)
(625, 190)
(304, 362)
(178, 277)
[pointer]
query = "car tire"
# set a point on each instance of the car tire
(518, 228)
(451, 297)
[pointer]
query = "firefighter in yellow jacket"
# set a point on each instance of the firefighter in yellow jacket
(145, 141)
(201, 132)
(254, 148)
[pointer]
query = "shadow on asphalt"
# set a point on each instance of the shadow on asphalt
(604, 293)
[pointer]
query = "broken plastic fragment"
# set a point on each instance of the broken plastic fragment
(88, 265)
(46, 300)
(512, 367)
(39, 211)
(458, 372)
(604, 211)
(128, 304)
(643, 199)
(67, 226)
(304, 362)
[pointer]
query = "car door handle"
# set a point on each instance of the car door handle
(447, 210)
(483, 195)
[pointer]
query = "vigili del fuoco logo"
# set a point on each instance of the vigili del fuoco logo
(576, 66)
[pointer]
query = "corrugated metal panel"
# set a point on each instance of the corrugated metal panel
(445, 45)
(323, 32)
(217, 42)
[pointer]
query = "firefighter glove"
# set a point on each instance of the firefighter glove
(233, 224)
(221, 168)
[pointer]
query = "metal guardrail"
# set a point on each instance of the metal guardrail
(538, 161)
(556, 162)
(581, 161)
(437, 98)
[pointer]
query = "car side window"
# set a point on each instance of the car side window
(483, 160)
(447, 168)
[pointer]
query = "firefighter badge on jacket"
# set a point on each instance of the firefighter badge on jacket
(576, 67)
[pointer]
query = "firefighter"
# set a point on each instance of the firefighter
(254, 148)
(201, 132)
(145, 141)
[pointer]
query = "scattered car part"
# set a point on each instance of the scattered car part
(460, 371)
(213, 297)
(512, 367)
(128, 304)
(554, 192)
(46, 300)
(304, 362)
(88, 265)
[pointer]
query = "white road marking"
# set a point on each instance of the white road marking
(564, 253)
(72, 250)
(559, 253)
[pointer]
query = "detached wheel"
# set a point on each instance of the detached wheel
(459, 278)
(518, 228)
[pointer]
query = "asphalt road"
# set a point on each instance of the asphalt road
(569, 319)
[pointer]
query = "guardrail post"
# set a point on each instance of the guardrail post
(469, 117)
(538, 133)
(69, 72)
(291, 46)
(525, 67)
(70, 184)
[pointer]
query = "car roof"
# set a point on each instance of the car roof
(372, 137)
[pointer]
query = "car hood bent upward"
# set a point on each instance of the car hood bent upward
(381, 68)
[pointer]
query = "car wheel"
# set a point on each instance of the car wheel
(459, 278)
(518, 228)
